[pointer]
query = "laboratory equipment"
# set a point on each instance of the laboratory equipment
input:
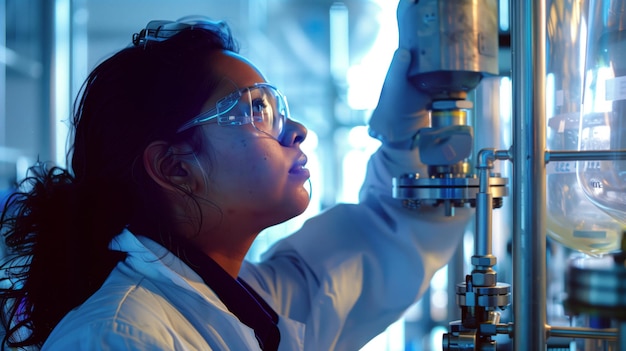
(597, 286)
(603, 121)
(454, 46)
(452, 50)
(447, 69)
(572, 219)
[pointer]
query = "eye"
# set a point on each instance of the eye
(259, 105)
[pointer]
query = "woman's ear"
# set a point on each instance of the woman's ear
(168, 166)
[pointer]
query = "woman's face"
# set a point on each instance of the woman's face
(254, 179)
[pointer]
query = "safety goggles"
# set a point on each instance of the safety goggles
(261, 105)
(163, 30)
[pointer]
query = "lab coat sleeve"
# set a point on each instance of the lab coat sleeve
(354, 269)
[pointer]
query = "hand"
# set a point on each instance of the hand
(407, 15)
(401, 109)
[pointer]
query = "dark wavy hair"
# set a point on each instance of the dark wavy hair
(58, 226)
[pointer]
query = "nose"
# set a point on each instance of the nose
(294, 133)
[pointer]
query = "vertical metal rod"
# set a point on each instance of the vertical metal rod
(529, 247)
(484, 204)
(484, 210)
(61, 79)
(48, 101)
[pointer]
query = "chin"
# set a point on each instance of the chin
(283, 219)
(286, 209)
(303, 201)
(296, 208)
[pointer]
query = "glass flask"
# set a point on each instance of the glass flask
(603, 118)
(572, 219)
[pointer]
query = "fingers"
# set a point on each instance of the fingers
(399, 113)
(396, 79)
(398, 94)
(400, 62)
(403, 6)
(406, 15)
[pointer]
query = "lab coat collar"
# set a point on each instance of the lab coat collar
(155, 261)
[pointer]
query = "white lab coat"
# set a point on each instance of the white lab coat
(336, 283)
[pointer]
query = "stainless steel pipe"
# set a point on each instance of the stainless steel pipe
(583, 333)
(586, 155)
(528, 43)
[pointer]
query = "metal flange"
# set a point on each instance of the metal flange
(484, 296)
(458, 191)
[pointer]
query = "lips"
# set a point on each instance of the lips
(298, 167)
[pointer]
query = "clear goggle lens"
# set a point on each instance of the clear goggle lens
(261, 105)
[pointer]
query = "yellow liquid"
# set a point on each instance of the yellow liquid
(590, 237)
(575, 222)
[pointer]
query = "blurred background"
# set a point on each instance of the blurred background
(329, 58)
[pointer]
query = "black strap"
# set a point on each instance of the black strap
(236, 294)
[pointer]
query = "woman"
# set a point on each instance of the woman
(182, 154)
